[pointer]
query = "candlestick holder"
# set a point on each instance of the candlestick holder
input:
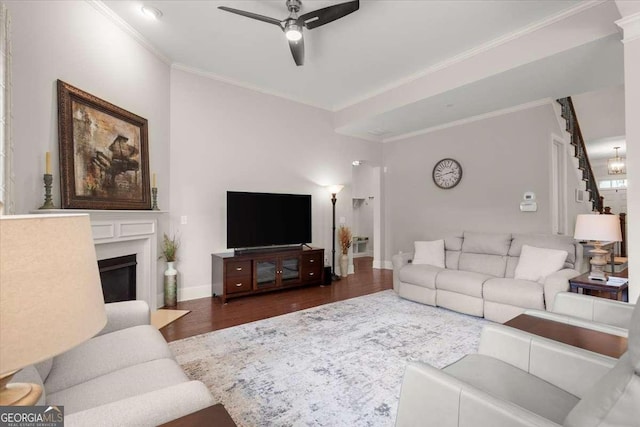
(154, 199)
(48, 202)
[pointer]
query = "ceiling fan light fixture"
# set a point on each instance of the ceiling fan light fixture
(293, 32)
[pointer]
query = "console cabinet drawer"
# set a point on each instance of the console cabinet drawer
(239, 268)
(238, 284)
(311, 267)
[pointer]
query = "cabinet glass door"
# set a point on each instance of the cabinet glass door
(290, 270)
(266, 273)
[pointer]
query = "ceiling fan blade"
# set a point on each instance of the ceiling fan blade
(297, 50)
(323, 16)
(252, 15)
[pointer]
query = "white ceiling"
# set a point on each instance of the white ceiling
(348, 60)
(378, 48)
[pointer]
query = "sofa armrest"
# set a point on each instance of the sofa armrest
(602, 310)
(399, 261)
(430, 397)
(125, 314)
(557, 282)
(571, 368)
(148, 409)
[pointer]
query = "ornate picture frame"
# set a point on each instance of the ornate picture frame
(104, 153)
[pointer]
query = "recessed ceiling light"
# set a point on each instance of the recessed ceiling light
(151, 12)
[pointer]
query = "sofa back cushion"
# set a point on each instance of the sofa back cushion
(486, 243)
(484, 253)
(452, 246)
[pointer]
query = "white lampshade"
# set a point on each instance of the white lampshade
(603, 228)
(335, 189)
(50, 293)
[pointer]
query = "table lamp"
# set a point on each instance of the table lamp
(599, 229)
(50, 294)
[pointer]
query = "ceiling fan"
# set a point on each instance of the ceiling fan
(293, 24)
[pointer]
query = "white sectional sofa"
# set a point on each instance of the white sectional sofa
(124, 376)
(478, 276)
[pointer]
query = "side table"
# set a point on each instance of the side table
(600, 289)
(215, 415)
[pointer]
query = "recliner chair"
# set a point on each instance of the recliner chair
(520, 379)
(601, 314)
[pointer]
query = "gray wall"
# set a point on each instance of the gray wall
(224, 137)
(502, 157)
(74, 42)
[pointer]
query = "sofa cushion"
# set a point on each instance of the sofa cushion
(453, 243)
(430, 253)
(550, 241)
(537, 263)
(462, 282)
(106, 353)
(452, 259)
(421, 275)
(521, 293)
(486, 243)
(120, 384)
(493, 265)
(514, 385)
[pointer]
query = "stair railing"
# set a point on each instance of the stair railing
(573, 127)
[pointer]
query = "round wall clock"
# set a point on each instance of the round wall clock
(447, 173)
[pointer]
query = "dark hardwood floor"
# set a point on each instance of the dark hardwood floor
(209, 314)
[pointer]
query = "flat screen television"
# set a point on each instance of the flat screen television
(267, 219)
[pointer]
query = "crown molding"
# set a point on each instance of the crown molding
(213, 76)
(124, 26)
(528, 105)
(631, 27)
(492, 44)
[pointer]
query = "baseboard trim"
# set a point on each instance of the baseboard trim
(383, 265)
(194, 292)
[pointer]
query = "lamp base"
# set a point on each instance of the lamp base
(18, 394)
(598, 261)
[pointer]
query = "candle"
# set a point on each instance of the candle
(154, 181)
(47, 163)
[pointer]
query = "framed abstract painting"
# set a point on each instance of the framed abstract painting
(104, 153)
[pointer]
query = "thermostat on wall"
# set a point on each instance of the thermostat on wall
(528, 203)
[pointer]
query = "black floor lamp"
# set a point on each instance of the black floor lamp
(334, 190)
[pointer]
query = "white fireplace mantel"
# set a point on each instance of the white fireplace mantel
(119, 233)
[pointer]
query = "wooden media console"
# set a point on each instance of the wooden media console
(265, 271)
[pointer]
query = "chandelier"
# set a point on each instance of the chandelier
(617, 165)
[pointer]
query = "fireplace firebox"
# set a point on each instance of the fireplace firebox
(118, 277)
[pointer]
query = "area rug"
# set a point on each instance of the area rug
(161, 318)
(339, 364)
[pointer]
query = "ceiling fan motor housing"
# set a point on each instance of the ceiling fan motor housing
(294, 6)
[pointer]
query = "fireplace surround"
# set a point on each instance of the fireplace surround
(118, 233)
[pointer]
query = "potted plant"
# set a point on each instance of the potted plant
(344, 235)
(169, 254)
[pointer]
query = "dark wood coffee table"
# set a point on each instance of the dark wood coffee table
(214, 415)
(598, 288)
(588, 339)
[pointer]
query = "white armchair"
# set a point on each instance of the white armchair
(601, 314)
(519, 379)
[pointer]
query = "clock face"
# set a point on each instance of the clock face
(447, 173)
